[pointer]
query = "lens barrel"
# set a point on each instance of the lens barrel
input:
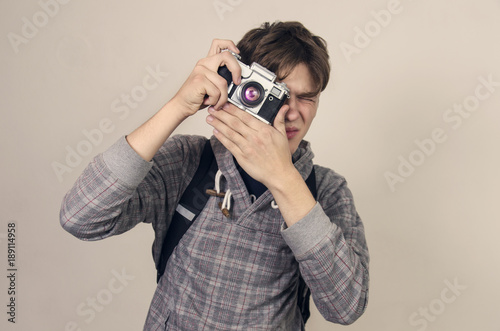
(252, 94)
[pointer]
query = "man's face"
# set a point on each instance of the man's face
(303, 104)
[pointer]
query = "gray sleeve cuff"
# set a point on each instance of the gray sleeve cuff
(126, 164)
(308, 232)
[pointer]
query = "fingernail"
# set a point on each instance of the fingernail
(210, 118)
(211, 109)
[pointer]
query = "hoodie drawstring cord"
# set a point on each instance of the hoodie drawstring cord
(225, 206)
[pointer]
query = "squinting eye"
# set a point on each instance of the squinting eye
(306, 99)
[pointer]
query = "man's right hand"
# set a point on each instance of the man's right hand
(204, 86)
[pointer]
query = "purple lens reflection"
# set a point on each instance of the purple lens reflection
(252, 94)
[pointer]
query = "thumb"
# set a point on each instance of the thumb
(279, 120)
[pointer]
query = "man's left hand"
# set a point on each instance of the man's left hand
(261, 149)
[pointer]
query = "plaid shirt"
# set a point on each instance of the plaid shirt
(236, 273)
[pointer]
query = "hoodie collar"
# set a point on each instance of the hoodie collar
(231, 180)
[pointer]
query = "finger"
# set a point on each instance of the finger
(212, 94)
(227, 122)
(233, 148)
(229, 133)
(250, 120)
(223, 59)
(219, 44)
(220, 94)
(228, 60)
(279, 120)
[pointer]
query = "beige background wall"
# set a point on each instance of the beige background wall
(409, 118)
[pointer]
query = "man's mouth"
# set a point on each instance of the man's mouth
(291, 132)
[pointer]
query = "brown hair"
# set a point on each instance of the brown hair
(281, 46)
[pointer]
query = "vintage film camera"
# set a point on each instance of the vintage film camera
(257, 94)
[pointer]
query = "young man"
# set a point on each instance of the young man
(237, 271)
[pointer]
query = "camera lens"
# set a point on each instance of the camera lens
(252, 94)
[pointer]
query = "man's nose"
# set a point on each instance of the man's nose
(292, 113)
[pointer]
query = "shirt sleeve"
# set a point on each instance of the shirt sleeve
(329, 244)
(119, 190)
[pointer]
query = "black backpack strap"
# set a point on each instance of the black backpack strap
(190, 205)
(311, 183)
(304, 293)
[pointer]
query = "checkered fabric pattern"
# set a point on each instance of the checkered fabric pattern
(235, 273)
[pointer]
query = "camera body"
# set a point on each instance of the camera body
(258, 94)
